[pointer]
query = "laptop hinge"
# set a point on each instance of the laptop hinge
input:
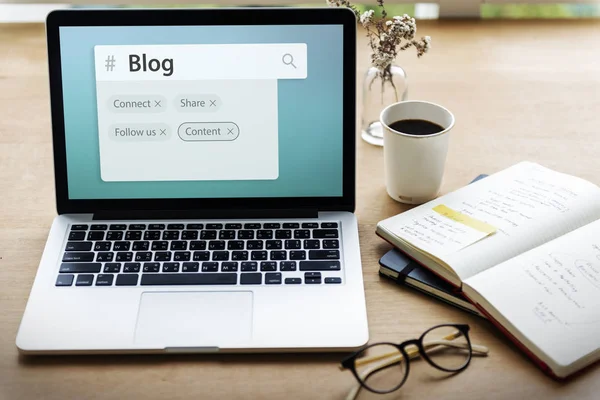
(205, 214)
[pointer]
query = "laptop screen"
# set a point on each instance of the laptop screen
(203, 111)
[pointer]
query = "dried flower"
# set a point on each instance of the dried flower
(387, 37)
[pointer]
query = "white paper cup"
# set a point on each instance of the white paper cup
(414, 164)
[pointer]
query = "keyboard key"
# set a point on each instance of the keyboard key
(220, 256)
(64, 280)
(141, 246)
(291, 225)
(293, 281)
(137, 227)
(249, 266)
(162, 256)
(95, 235)
(258, 255)
(171, 267)
(99, 227)
(114, 235)
(227, 235)
(102, 246)
(292, 244)
(268, 266)
(320, 266)
(152, 235)
(254, 244)
(208, 235)
(121, 246)
(105, 256)
(127, 280)
(195, 226)
(263, 234)
(118, 227)
(312, 244)
(229, 266)
(151, 267)
(235, 245)
(301, 234)
(252, 225)
(233, 226)
(160, 245)
(79, 227)
(170, 235)
(112, 267)
(84, 280)
(283, 234)
(278, 255)
(272, 225)
(210, 266)
(239, 255)
(76, 268)
(273, 278)
(324, 255)
(198, 245)
(201, 256)
(190, 267)
(143, 256)
(76, 235)
(312, 278)
(214, 226)
(190, 279)
(132, 267)
(182, 256)
(216, 245)
(297, 255)
(245, 234)
(189, 235)
(175, 226)
(78, 246)
(133, 235)
(179, 245)
(329, 225)
(78, 256)
(159, 227)
(331, 244)
(287, 266)
(333, 280)
(310, 225)
(124, 256)
(274, 244)
(104, 280)
(325, 233)
(251, 279)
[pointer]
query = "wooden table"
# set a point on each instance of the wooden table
(519, 90)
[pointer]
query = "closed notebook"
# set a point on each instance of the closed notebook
(524, 246)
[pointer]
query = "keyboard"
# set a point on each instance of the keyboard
(251, 253)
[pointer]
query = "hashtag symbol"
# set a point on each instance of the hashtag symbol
(110, 63)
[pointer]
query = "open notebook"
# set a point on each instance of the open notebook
(524, 245)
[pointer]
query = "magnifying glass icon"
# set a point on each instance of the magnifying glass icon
(288, 59)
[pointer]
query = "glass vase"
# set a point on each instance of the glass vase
(381, 88)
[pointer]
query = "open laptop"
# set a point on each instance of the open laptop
(205, 184)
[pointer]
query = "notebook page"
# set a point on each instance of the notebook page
(551, 294)
(526, 203)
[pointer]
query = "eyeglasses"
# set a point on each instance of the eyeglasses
(383, 367)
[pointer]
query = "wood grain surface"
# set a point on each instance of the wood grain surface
(519, 90)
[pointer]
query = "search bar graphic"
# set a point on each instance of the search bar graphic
(201, 62)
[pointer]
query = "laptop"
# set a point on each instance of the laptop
(205, 184)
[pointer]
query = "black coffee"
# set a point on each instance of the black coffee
(419, 127)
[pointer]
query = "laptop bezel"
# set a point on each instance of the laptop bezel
(237, 16)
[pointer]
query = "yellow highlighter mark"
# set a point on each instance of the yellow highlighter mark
(464, 219)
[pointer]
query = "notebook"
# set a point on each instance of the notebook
(524, 246)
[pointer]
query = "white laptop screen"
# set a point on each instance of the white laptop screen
(203, 111)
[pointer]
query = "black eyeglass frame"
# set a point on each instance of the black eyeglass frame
(348, 362)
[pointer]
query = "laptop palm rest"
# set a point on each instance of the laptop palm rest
(194, 319)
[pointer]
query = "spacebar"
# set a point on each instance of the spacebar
(189, 279)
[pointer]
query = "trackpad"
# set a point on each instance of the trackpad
(194, 319)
